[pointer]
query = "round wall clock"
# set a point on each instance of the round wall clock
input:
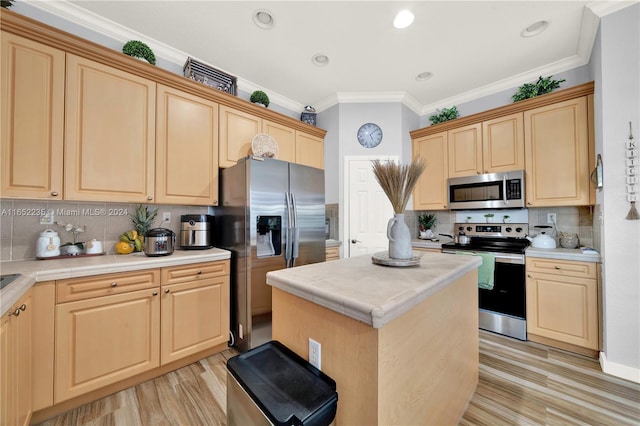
(369, 135)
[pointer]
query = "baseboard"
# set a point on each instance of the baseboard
(619, 370)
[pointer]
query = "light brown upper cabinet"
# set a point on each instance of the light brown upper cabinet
(489, 147)
(465, 150)
(32, 111)
(109, 134)
(284, 136)
(556, 154)
(237, 129)
(503, 144)
(309, 150)
(430, 193)
(186, 149)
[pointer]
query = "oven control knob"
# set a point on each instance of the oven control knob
(518, 229)
(469, 228)
(508, 229)
(460, 228)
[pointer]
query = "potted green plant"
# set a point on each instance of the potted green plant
(138, 49)
(444, 114)
(427, 223)
(489, 217)
(6, 3)
(540, 87)
(468, 219)
(506, 218)
(74, 247)
(260, 98)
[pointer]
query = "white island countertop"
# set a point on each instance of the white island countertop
(370, 293)
(56, 269)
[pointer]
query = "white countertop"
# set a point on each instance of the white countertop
(333, 243)
(563, 254)
(373, 294)
(34, 271)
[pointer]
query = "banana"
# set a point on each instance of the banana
(130, 235)
(134, 233)
(124, 238)
(138, 244)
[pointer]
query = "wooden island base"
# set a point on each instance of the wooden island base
(421, 368)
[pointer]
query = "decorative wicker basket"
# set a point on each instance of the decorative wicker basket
(210, 76)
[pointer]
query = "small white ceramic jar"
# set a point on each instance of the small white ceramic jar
(93, 247)
(48, 244)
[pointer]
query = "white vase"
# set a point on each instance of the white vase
(399, 238)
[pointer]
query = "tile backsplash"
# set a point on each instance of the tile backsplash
(20, 223)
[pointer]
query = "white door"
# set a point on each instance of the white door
(367, 209)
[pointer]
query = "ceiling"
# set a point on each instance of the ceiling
(472, 48)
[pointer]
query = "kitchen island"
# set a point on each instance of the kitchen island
(400, 342)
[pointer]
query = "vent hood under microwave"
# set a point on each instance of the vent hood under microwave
(488, 191)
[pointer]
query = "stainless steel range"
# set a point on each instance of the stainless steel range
(502, 307)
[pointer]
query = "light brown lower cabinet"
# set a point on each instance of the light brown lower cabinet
(111, 328)
(106, 339)
(562, 304)
(15, 363)
(332, 253)
(195, 309)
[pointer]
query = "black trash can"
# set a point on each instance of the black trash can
(272, 385)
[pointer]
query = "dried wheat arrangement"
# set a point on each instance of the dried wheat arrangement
(398, 180)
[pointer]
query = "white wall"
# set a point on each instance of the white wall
(616, 66)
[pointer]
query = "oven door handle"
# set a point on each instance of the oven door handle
(500, 258)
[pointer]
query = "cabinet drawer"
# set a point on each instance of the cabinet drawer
(332, 253)
(562, 267)
(195, 271)
(103, 285)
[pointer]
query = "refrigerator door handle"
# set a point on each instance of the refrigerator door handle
(296, 231)
(289, 234)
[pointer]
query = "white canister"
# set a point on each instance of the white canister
(93, 247)
(48, 244)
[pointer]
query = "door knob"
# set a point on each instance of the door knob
(353, 241)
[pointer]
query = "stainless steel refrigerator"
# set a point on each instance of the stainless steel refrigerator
(271, 216)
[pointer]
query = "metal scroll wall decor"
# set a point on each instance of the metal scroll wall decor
(633, 175)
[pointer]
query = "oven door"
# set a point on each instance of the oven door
(508, 295)
(503, 308)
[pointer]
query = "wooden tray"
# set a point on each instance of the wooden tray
(71, 256)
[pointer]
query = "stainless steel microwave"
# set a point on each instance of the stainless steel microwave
(488, 191)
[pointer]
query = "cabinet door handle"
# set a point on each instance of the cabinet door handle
(149, 198)
(23, 307)
(15, 313)
(166, 291)
(557, 267)
(199, 272)
(155, 293)
(54, 194)
(529, 276)
(113, 284)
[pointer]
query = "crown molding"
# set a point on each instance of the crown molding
(370, 97)
(591, 18)
(107, 28)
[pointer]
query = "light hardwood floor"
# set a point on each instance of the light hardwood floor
(521, 383)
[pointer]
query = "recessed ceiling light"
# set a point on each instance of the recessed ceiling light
(263, 19)
(424, 76)
(403, 19)
(320, 59)
(535, 29)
